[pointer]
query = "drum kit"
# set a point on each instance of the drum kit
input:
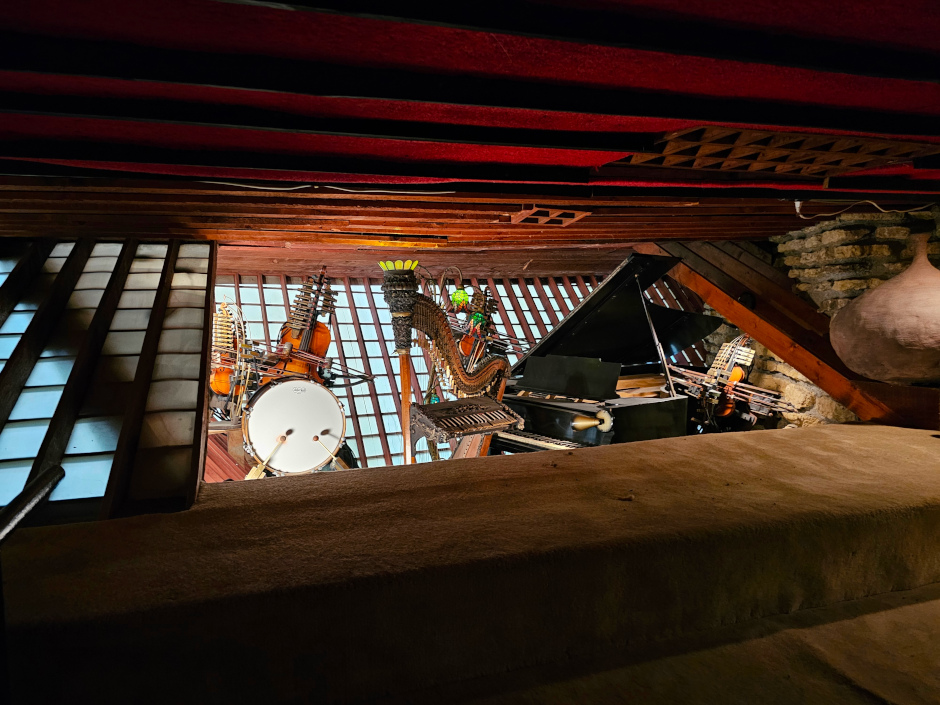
(274, 401)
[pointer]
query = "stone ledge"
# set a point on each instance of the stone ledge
(343, 587)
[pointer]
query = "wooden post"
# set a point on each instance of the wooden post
(404, 366)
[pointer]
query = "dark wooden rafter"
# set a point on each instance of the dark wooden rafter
(56, 439)
(621, 27)
(203, 411)
(169, 112)
(69, 56)
(23, 274)
(41, 327)
(116, 499)
(776, 318)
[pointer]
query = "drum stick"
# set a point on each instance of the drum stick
(258, 470)
(332, 455)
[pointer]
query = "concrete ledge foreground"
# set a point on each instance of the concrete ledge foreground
(349, 586)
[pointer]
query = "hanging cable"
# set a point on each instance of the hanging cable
(335, 188)
(799, 205)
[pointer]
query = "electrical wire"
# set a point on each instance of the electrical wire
(335, 188)
(259, 188)
(395, 193)
(799, 205)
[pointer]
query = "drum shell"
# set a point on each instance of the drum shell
(285, 413)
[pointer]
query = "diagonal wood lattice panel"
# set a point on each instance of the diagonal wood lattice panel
(791, 153)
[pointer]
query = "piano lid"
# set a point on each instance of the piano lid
(610, 324)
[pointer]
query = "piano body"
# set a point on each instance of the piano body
(600, 376)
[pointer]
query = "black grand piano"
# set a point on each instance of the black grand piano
(600, 376)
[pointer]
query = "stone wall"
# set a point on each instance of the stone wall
(830, 263)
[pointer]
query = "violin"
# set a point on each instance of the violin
(302, 333)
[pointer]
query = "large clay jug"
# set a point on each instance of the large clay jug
(892, 333)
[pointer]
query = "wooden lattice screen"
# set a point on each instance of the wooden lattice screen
(103, 372)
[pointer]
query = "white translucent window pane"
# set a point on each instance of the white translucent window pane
(96, 434)
(13, 478)
(367, 424)
(372, 445)
(144, 265)
(192, 264)
(89, 298)
(16, 322)
(142, 281)
(395, 444)
(131, 319)
(50, 371)
(224, 293)
(251, 313)
(187, 297)
(184, 318)
(382, 384)
(7, 264)
(53, 264)
(186, 280)
(100, 264)
(249, 294)
(194, 250)
(276, 313)
(180, 341)
(172, 394)
(63, 249)
(120, 368)
(150, 250)
(137, 299)
(273, 295)
(167, 428)
(7, 344)
(85, 476)
(171, 366)
(81, 318)
(123, 343)
(93, 280)
(107, 249)
(21, 439)
(36, 403)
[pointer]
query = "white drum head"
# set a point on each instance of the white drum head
(299, 410)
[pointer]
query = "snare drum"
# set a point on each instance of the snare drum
(302, 411)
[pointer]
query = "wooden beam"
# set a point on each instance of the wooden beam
(44, 322)
(202, 405)
(617, 26)
(56, 440)
(115, 499)
(733, 260)
(24, 273)
(31, 55)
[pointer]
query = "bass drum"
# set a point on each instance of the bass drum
(306, 414)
